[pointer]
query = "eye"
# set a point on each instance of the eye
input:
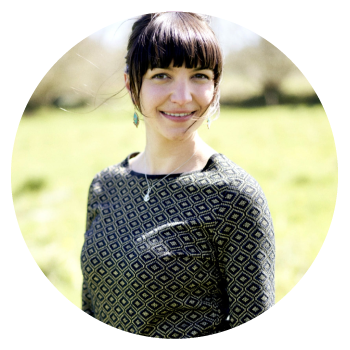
(201, 76)
(160, 76)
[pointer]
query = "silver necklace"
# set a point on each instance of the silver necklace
(146, 197)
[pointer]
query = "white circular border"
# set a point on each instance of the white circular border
(35, 34)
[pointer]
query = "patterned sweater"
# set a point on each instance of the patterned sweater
(196, 259)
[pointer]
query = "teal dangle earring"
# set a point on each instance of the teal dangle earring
(136, 119)
(208, 122)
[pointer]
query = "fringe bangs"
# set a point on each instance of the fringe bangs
(180, 39)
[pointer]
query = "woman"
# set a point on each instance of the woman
(179, 240)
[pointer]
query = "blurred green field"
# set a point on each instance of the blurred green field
(289, 150)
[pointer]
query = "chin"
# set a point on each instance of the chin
(176, 133)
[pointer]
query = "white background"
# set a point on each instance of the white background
(314, 35)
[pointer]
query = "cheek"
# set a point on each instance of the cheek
(150, 96)
(207, 95)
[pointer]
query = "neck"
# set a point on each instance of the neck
(164, 157)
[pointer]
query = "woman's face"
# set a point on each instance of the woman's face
(173, 99)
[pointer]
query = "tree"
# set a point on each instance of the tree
(264, 65)
(80, 76)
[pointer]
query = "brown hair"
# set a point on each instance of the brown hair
(158, 39)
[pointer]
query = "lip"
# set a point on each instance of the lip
(178, 119)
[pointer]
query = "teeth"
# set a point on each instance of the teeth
(177, 114)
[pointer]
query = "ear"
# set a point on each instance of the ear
(127, 82)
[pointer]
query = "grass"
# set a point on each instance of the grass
(289, 150)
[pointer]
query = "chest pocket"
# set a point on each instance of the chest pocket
(177, 239)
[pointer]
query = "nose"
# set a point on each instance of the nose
(181, 93)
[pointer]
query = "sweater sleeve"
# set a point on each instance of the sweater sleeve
(92, 212)
(244, 238)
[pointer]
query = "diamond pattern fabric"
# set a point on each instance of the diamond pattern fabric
(196, 259)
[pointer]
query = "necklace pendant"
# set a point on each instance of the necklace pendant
(146, 197)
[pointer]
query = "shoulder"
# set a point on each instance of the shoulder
(242, 201)
(229, 174)
(233, 181)
(107, 177)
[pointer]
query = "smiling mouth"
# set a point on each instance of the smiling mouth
(179, 115)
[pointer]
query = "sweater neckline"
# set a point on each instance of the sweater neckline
(158, 176)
